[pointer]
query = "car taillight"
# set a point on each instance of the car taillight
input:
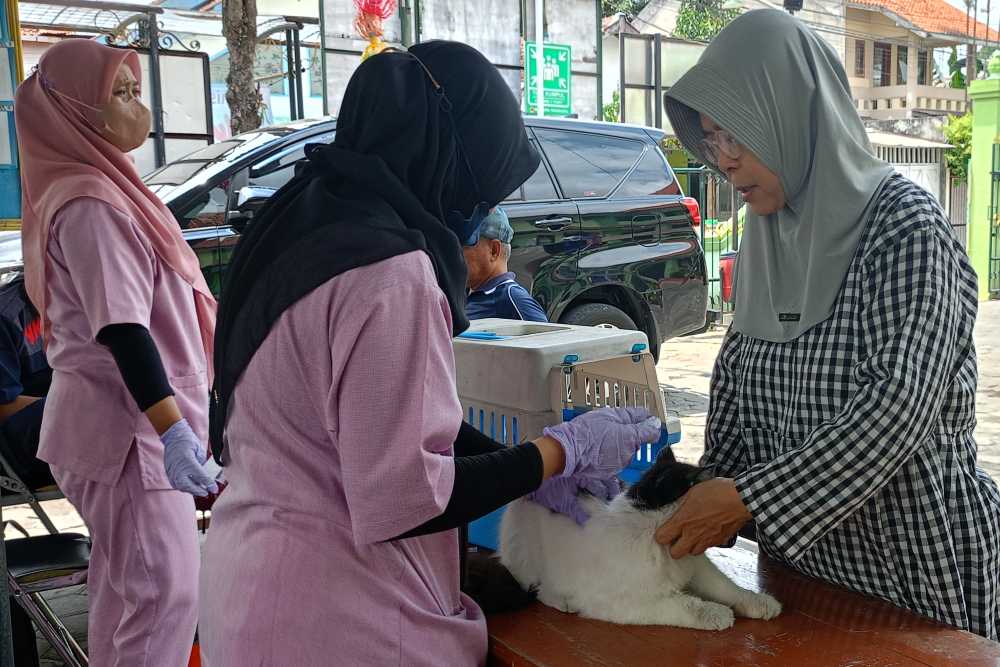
(727, 262)
(691, 204)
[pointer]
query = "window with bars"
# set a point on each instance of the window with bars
(882, 65)
(902, 56)
(923, 67)
(859, 58)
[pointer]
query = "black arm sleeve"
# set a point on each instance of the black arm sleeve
(471, 442)
(485, 482)
(138, 361)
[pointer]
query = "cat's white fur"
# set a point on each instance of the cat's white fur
(611, 568)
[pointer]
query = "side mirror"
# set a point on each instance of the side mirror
(249, 200)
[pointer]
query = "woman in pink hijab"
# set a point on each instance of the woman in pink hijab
(128, 321)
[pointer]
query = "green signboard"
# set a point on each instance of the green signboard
(557, 81)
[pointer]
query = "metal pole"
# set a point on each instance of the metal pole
(540, 57)
(159, 143)
(658, 79)
(600, 62)
(6, 633)
(621, 76)
(290, 66)
(322, 56)
(299, 92)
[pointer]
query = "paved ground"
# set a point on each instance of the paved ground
(685, 370)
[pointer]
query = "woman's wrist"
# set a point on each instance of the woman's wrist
(553, 456)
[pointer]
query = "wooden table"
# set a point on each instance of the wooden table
(821, 625)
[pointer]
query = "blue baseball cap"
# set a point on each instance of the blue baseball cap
(497, 226)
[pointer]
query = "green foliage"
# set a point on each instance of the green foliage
(958, 133)
(613, 110)
(957, 68)
(630, 7)
(702, 20)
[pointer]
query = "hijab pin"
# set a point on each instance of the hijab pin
(37, 71)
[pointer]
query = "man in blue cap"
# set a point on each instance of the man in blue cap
(493, 290)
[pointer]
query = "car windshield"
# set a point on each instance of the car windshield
(200, 167)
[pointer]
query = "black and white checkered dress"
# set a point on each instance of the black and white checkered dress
(852, 446)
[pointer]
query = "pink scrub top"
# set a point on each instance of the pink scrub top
(340, 438)
(101, 271)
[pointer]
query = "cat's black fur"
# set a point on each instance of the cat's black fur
(665, 482)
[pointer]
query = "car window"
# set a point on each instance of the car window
(278, 169)
(588, 165)
(650, 177)
(537, 188)
(208, 210)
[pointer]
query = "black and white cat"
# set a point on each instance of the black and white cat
(612, 569)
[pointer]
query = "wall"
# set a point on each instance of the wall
(985, 95)
(492, 26)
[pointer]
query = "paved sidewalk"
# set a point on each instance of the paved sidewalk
(685, 370)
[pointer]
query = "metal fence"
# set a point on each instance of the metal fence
(719, 236)
(958, 209)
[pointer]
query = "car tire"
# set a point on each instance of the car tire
(599, 315)
(604, 315)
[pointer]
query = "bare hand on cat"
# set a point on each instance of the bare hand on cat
(710, 514)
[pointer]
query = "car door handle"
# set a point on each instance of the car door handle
(554, 224)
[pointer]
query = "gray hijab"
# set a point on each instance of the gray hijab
(781, 91)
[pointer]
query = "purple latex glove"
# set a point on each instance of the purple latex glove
(600, 443)
(561, 494)
(183, 458)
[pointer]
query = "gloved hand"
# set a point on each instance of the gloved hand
(183, 458)
(561, 494)
(600, 443)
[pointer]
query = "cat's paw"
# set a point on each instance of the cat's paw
(758, 605)
(714, 616)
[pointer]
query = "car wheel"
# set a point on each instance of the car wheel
(599, 315)
(603, 315)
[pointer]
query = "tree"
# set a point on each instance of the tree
(702, 20)
(239, 26)
(630, 7)
(958, 133)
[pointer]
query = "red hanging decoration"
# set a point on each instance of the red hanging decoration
(368, 23)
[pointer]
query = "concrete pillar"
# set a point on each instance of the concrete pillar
(911, 76)
(985, 96)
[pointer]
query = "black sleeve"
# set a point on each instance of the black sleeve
(138, 361)
(471, 442)
(485, 482)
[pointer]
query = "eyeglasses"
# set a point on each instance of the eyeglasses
(719, 143)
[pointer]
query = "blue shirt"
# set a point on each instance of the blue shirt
(503, 297)
(23, 367)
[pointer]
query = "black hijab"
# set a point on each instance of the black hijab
(423, 138)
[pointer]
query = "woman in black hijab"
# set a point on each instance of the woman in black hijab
(335, 409)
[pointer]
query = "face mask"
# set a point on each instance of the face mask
(138, 130)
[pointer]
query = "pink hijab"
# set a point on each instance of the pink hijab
(64, 157)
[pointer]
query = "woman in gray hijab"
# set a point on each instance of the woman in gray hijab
(843, 398)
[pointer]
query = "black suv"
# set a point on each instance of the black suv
(602, 233)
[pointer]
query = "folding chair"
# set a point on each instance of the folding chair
(15, 491)
(44, 563)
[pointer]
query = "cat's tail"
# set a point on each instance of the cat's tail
(493, 587)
